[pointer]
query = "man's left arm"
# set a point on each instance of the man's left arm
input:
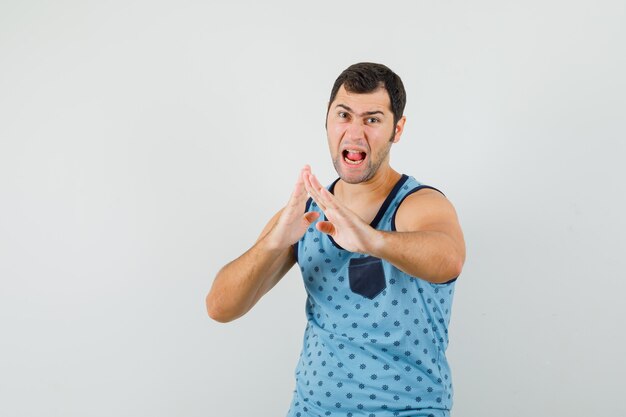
(428, 242)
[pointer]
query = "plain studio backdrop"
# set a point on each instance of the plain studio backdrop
(145, 144)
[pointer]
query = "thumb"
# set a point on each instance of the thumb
(326, 227)
(311, 216)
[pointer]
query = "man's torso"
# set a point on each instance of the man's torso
(375, 339)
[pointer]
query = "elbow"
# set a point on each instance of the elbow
(217, 312)
(456, 266)
(449, 269)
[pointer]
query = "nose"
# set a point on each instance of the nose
(355, 130)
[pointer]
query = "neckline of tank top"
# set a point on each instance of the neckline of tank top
(383, 208)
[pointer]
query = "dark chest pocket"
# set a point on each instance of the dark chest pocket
(367, 276)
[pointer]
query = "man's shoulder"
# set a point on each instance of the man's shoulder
(411, 185)
(423, 205)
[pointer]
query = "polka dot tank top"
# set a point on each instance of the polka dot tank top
(375, 339)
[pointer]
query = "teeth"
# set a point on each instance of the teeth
(353, 162)
(351, 151)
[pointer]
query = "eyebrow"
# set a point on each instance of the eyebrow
(367, 113)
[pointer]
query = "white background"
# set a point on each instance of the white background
(144, 144)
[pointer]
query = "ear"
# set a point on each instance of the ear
(399, 129)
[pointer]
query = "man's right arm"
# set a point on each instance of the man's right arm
(240, 284)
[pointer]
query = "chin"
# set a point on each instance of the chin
(353, 178)
(365, 174)
(349, 180)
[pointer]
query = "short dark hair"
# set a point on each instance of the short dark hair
(366, 77)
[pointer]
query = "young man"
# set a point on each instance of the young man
(379, 254)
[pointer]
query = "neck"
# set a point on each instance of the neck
(376, 187)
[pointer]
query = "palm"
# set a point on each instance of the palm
(346, 228)
(293, 222)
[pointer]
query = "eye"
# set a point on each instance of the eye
(372, 120)
(342, 115)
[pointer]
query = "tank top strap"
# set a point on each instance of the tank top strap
(406, 186)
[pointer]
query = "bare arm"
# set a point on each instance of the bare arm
(428, 242)
(240, 284)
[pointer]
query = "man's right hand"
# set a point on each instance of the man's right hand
(240, 284)
(293, 221)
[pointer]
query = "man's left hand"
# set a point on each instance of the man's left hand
(346, 227)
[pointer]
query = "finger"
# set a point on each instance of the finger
(326, 227)
(311, 216)
(328, 198)
(312, 191)
(325, 196)
(298, 196)
(315, 182)
(303, 178)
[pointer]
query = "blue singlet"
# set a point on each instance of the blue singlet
(375, 339)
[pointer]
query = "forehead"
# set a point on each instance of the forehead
(376, 100)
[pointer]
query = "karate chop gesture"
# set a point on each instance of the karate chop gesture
(293, 222)
(346, 227)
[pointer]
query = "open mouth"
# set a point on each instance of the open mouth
(353, 157)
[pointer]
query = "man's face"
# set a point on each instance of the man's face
(360, 131)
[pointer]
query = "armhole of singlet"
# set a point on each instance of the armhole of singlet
(393, 219)
(295, 245)
(393, 216)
